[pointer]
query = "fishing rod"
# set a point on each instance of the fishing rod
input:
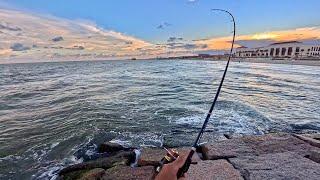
(187, 163)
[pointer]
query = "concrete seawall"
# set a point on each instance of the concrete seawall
(271, 156)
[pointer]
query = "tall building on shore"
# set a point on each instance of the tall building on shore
(281, 50)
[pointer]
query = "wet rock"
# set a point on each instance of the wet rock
(271, 156)
(122, 158)
(287, 165)
(93, 174)
(217, 169)
(72, 175)
(128, 173)
(110, 147)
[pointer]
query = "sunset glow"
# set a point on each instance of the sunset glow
(299, 34)
(38, 35)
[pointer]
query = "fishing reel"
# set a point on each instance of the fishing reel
(171, 155)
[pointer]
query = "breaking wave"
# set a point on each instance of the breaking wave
(56, 114)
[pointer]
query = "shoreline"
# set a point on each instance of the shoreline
(269, 156)
(288, 62)
(257, 61)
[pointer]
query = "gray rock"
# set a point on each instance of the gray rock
(309, 139)
(315, 136)
(215, 170)
(72, 175)
(256, 145)
(128, 173)
(186, 150)
(287, 165)
(277, 143)
(226, 149)
(315, 156)
(272, 156)
(123, 158)
(312, 135)
(151, 156)
(110, 147)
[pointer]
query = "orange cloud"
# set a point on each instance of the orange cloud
(5, 52)
(298, 34)
(88, 41)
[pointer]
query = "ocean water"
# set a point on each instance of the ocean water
(55, 114)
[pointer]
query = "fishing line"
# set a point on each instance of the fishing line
(187, 163)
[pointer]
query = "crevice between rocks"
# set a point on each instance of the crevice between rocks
(228, 136)
(203, 154)
(314, 156)
(243, 172)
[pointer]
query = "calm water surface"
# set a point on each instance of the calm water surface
(55, 114)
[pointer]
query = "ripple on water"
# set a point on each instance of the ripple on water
(233, 118)
(55, 114)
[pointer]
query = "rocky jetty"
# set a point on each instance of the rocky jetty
(271, 156)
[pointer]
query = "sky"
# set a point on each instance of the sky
(157, 27)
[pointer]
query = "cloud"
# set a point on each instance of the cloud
(19, 47)
(185, 46)
(36, 37)
(255, 43)
(173, 39)
(220, 44)
(203, 46)
(204, 39)
(193, 1)
(21, 30)
(6, 26)
(181, 46)
(58, 38)
(164, 25)
(263, 39)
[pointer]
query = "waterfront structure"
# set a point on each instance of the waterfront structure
(281, 50)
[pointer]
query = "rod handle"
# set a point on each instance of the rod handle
(186, 165)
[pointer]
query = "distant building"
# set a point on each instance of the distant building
(289, 49)
(204, 56)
